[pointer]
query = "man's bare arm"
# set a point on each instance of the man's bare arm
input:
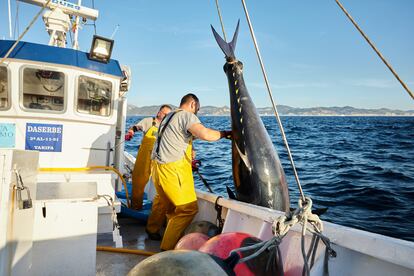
(207, 134)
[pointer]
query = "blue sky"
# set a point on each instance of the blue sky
(312, 53)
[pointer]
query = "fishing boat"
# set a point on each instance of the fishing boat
(64, 174)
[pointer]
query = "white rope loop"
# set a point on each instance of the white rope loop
(303, 214)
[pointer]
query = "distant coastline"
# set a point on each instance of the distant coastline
(283, 110)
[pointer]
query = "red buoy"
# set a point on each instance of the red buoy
(192, 241)
(223, 244)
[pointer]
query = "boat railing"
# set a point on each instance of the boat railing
(388, 249)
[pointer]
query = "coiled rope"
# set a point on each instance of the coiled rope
(281, 226)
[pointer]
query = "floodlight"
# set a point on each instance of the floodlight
(101, 49)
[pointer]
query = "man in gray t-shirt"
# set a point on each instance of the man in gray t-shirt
(172, 173)
(176, 137)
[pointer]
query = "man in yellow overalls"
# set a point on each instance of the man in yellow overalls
(172, 172)
(142, 168)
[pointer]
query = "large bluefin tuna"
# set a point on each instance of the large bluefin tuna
(258, 175)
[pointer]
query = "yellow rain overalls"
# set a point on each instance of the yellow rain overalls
(142, 168)
(176, 195)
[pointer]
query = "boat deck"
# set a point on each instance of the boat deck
(133, 237)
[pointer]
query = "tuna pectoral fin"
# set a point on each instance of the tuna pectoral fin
(230, 193)
(244, 158)
(227, 48)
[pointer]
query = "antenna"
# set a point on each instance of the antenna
(10, 25)
(114, 32)
(57, 19)
(75, 44)
(67, 7)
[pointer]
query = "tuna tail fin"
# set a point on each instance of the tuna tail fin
(227, 48)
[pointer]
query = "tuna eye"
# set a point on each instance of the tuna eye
(227, 67)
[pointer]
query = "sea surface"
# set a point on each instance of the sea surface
(361, 168)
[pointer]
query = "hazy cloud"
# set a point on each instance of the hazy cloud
(202, 89)
(301, 66)
(144, 63)
(171, 29)
(373, 83)
(291, 85)
(204, 44)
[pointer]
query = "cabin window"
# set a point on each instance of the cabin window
(94, 96)
(4, 88)
(43, 89)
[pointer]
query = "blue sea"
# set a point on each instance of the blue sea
(361, 168)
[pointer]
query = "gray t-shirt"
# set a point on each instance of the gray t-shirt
(146, 123)
(175, 136)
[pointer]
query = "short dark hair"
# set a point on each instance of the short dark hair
(187, 98)
(165, 105)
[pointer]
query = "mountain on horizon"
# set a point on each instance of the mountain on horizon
(285, 110)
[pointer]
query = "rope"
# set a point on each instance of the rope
(219, 219)
(303, 215)
(111, 204)
(221, 20)
(281, 226)
(25, 31)
(269, 90)
(376, 50)
(262, 246)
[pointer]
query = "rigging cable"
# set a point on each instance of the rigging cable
(25, 31)
(221, 20)
(16, 21)
(376, 50)
(269, 90)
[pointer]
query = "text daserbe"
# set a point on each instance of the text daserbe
(44, 129)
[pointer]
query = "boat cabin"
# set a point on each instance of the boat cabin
(61, 103)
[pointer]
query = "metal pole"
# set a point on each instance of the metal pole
(76, 32)
(10, 26)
